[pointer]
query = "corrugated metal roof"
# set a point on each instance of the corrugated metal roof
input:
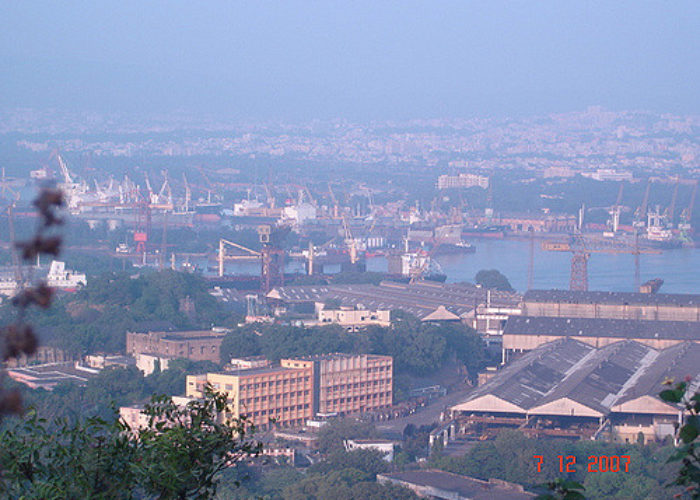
(601, 327)
(595, 378)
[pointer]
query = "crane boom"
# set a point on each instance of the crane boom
(672, 206)
(642, 211)
(222, 252)
(64, 169)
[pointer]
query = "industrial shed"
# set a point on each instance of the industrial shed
(613, 305)
(611, 391)
(524, 333)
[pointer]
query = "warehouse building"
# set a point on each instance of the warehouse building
(570, 388)
(612, 305)
(524, 333)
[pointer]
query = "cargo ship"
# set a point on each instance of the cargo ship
(497, 232)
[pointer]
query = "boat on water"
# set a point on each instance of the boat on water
(461, 247)
(497, 232)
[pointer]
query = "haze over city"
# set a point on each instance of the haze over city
(356, 60)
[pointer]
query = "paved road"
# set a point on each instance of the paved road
(426, 415)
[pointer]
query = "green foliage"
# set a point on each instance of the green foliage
(178, 456)
(332, 435)
(493, 279)
(346, 475)
(113, 386)
(87, 460)
(687, 453)
(510, 457)
(368, 461)
(97, 318)
(181, 451)
(416, 440)
(564, 490)
(417, 348)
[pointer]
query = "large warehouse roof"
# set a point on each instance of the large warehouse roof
(602, 327)
(569, 378)
(523, 383)
(596, 297)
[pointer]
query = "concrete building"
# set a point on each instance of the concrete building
(197, 345)
(134, 417)
(147, 363)
(568, 388)
(607, 174)
(281, 393)
(613, 305)
(383, 446)
(524, 333)
(346, 384)
(352, 318)
(298, 389)
(433, 483)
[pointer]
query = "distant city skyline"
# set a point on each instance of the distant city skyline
(361, 60)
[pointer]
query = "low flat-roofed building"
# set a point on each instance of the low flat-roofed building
(136, 419)
(568, 383)
(383, 446)
(433, 483)
(352, 318)
(524, 333)
(50, 375)
(612, 305)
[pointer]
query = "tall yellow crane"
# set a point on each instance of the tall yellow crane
(583, 246)
(249, 254)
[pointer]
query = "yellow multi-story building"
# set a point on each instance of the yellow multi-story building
(298, 389)
(281, 394)
(348, 383)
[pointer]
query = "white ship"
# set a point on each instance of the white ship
(64, 279)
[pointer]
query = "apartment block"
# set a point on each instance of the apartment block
(280, 393)
(298, 389)
(348, 383)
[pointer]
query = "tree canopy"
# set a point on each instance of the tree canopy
(493, 279)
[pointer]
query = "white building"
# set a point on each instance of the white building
(300, 213)
(65, 279)
(462, 181)
(383, 446)
(352, 318)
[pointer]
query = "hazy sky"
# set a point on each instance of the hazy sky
(354, 59)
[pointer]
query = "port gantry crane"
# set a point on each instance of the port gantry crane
(583, 246)
(12, 202)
